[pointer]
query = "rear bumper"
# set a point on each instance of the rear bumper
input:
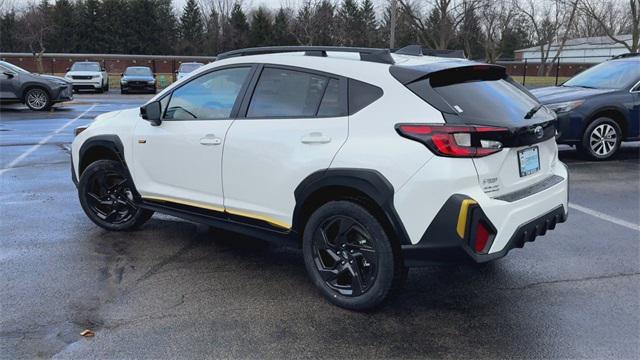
(448, 248)
(513, 220)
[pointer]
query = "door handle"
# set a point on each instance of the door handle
(315, 138)
(210, 139)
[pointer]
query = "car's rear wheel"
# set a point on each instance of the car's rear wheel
(601, 139)
(349, 257)
(106, 196)
(37, 99)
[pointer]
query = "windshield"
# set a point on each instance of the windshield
(608, 75)
(13, 67)
(187, 68)
(85, 66)
(138, 71)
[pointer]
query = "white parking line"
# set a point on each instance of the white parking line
(605, 217)
(35, 147)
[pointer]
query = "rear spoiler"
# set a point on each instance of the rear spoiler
(455, 68)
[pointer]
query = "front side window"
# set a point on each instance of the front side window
(207, 97)
(287, 93)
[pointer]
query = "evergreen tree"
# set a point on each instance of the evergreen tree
(238, 34)
(302, 27)
(114, 27)
(350, 24)
(87, 18)
(63, 27)
(470, 37)
(165, 27)
(323, 27)
(369, 24)
(261, 33)
(191, 28)
(8, 32)
(281, 31)
(212, 35)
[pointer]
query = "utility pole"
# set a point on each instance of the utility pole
(392, 24)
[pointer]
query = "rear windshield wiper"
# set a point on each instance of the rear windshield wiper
(532, 112)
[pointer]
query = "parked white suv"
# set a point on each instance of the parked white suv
(372, 162)
(87, 75)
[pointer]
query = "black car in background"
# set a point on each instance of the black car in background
(598, 108)
(38, 92)
(138, 79)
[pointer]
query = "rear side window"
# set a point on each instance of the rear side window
(207, 97)
(362, 95)
(287, 93)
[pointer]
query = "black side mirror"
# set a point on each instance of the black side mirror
(9, 74)
(121, 74)
(152, 112)
(68, 69)
(103, 69)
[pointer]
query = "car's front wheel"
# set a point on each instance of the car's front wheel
(349, 257)
(106, 196)
(37, 99)
(601, 139)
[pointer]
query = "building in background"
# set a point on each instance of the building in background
(581, 50)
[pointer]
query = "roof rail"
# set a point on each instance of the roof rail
(366, 54)
(622, 56)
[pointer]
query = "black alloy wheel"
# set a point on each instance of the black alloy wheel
(344, 256)
(349, 256)
(106, 196)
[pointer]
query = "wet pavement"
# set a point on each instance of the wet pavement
(174, 289)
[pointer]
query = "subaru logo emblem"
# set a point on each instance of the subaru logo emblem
(538, 131)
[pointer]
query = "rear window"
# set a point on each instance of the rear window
(477, 95)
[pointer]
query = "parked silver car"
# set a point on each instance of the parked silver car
(38, 92)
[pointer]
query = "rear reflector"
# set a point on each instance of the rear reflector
(455, 141)
(482, 238)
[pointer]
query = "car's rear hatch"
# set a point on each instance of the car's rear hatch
(469, 93)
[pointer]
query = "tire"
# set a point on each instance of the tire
(123, 92)
(601, 139)
(38, 99)
(106, 197)
(106, 88)
(354, 242)
(100, 90)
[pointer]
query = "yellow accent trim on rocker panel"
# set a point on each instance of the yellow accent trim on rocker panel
(259, 217)
(462, 216)
(219, 209)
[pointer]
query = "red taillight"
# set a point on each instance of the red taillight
(482, 238)
(472, 141)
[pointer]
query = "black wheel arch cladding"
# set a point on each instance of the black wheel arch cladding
(369, 182)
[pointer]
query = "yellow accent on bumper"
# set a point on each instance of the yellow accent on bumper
(222, 210)
(462, 216)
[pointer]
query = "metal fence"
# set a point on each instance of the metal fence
(534, 72)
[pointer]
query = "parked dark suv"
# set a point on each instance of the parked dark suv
(38, 92)
(598, 108)
(138, 78)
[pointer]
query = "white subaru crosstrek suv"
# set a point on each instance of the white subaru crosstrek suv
(88, 75)
(371, 161)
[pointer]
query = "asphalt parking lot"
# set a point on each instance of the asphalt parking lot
(174, 289)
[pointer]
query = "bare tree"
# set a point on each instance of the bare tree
(495, 19)
(36, 29)
(550, 22)
(438, 28)
(614, 20)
